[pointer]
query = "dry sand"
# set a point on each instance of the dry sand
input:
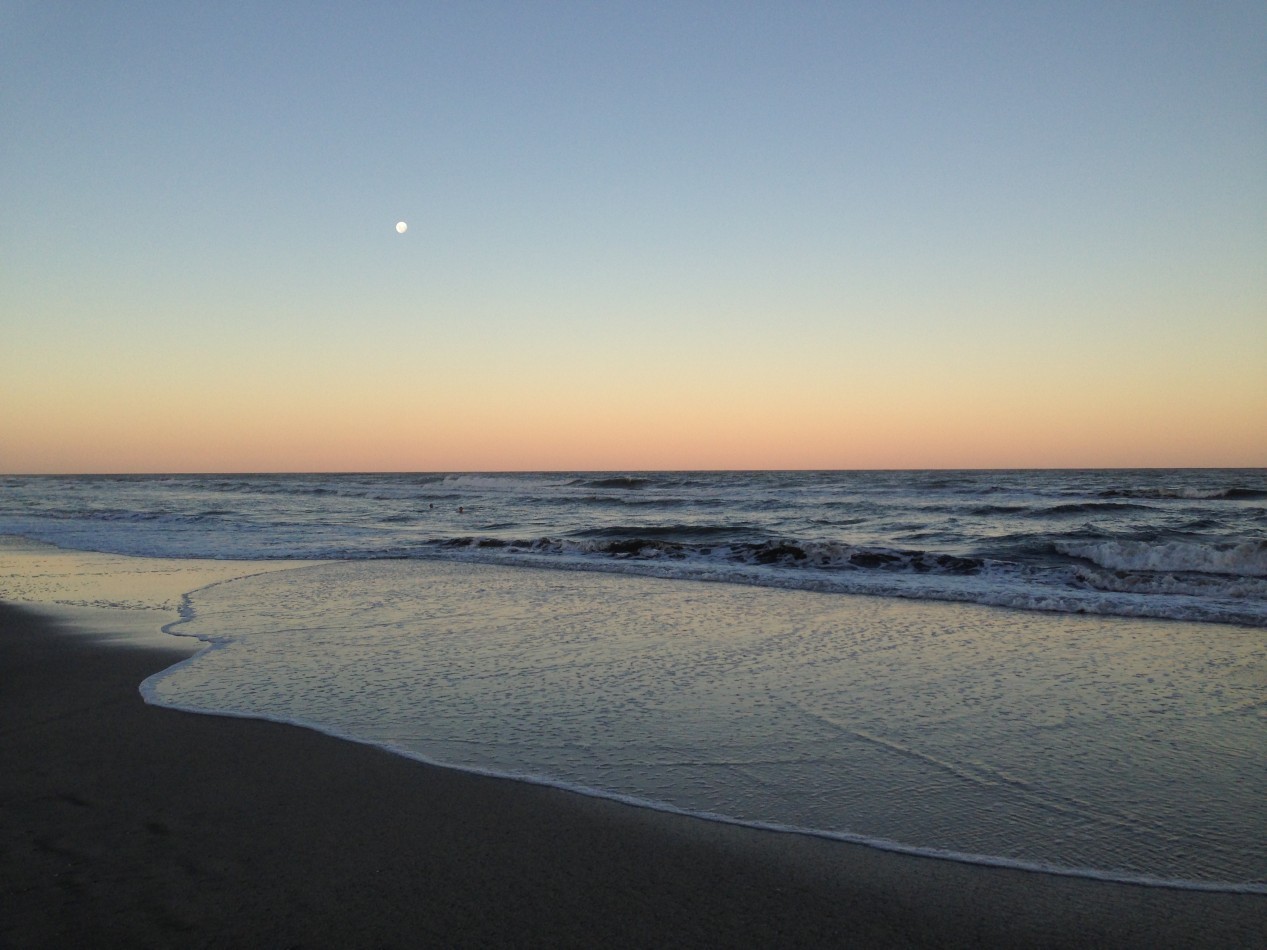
(124, 824)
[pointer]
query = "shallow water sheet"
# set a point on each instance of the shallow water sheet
(1109, 746)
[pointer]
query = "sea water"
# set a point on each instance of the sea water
(1184, 544)
(1096, 731)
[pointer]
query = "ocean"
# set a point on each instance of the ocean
(1063, 670)
(1189, 544)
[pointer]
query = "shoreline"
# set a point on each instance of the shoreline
(848, 839)
(125, 821)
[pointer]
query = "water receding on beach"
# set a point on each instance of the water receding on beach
(1129, 748)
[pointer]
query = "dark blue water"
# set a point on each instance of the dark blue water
(1185, 544)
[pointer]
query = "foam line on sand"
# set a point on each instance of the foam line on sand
(122, 823)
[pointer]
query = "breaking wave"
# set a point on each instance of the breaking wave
(1188, 493)
(1247, 559)
(1184, 544)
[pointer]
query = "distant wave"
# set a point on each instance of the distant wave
(639, 501)
(1087, 508)
(500, 483)
(680, 532)
(984, 510)
(621, 481)
(129, 516)
(1190, 494)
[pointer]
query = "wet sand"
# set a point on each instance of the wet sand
(126, 824)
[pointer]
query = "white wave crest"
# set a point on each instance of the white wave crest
(1248, 559)
(1192, 585)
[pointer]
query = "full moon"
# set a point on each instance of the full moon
(401, 227)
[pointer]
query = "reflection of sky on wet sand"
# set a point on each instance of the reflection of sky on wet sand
(41, 574)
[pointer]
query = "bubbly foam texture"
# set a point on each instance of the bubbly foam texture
(871, 570)
(1247, 559)
(1127, 750)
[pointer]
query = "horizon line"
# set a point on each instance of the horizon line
(617, 471)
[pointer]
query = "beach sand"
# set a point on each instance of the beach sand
(126, 824)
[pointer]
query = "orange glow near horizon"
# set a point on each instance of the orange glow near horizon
(439, 402)
(510, 430)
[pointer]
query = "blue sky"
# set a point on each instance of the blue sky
(985, 202)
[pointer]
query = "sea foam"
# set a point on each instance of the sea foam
(1124, 749)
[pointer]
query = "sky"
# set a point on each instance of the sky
(641, 235)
